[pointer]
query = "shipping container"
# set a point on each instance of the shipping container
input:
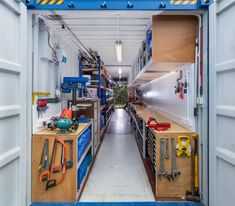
(117, 102)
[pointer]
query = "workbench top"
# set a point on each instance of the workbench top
(144, 113)
(81, 128)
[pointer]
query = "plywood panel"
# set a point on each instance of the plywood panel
(174, 38)
(81, 128)
(64, 192)
(145, 113)
(163, 187)
(182, 183)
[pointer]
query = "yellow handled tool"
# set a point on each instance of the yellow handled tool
(194, 195)
(196, 166)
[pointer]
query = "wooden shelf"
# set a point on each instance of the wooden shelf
(81, 128)
(153, 71)
(102, 131)
(102, 107)
(84, 155)
(107, 122)
(106, 76)
(174, 42)
(102, 87)
(92, 86)
(109, 99)
(109, 108)
(89, 69)
(106, 88)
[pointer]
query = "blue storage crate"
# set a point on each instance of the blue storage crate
(87, 137)
(81, 172)
(83, 142)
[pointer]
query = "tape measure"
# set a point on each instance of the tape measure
(183, 147)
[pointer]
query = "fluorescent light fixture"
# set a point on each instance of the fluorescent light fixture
(118, 46)
(120, 71)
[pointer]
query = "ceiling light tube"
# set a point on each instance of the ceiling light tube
(118, 46)
(120, 71)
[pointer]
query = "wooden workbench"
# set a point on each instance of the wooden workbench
(144, 113)
(165, 189)
(67, 191)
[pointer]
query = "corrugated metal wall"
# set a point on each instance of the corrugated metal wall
(222, 103)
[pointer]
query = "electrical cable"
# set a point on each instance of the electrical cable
(52, 48)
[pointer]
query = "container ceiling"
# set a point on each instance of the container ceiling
(98, 30)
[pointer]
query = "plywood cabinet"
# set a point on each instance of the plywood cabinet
(174, 38)
(172, 45)
(163, 187)
(68, 190)
(182, 183)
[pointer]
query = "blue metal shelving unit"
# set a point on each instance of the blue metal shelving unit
(101, 89)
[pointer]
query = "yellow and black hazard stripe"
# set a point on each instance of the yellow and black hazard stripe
(183, 2)
(50, 2)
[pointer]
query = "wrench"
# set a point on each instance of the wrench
(174, 172)
(167, 156)
(162, 171)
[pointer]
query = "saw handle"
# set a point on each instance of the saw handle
(50, 184)
(53, 182)
(44, 176)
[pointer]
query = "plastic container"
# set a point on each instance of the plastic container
(81, 172)
(83, 142)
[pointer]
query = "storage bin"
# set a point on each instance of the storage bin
(83, 142)
(89, 159)
(81, 172)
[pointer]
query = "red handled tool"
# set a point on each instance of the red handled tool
(152, 123)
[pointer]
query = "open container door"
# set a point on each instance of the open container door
(222, 103)
(13, 22)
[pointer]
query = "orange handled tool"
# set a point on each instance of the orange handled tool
(53, 182)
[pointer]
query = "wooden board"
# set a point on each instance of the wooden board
(183, 183)
(81, 128)
(144, 113)
(174, 38)
(67, 190)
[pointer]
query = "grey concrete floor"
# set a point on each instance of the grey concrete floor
(118, 174)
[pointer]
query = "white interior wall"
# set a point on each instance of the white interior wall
(46, 74)
(160, 96)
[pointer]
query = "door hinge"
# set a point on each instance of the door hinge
(199, 101)
(195, 111)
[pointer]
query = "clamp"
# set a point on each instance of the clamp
(152, 123)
